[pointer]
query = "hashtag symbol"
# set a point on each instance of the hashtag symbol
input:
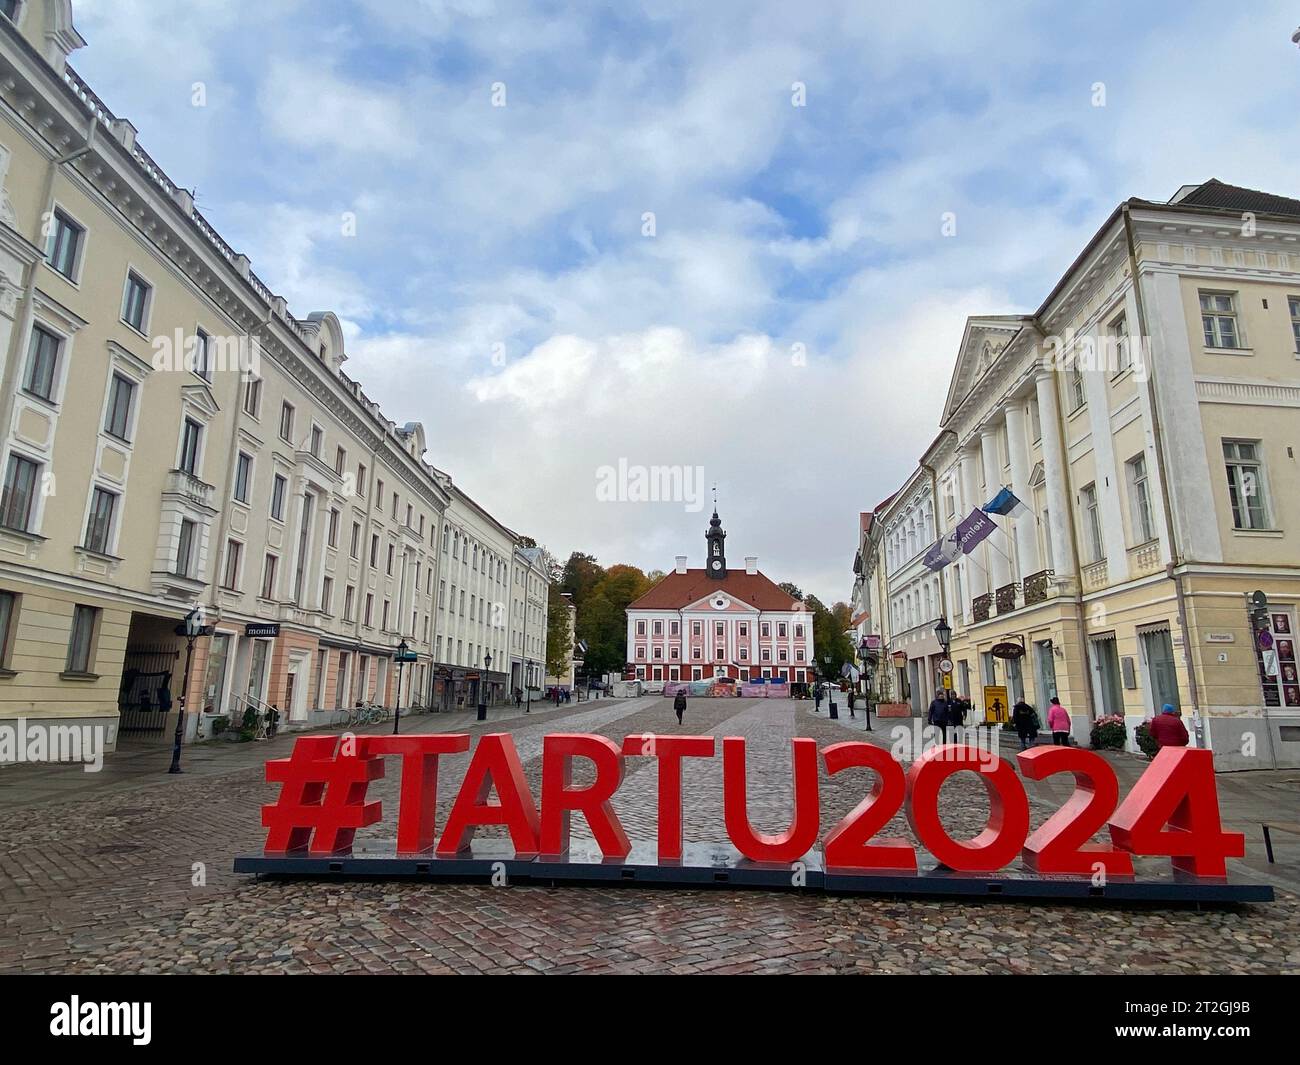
(322, 799)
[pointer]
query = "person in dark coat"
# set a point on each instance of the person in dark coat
(679, 704)
(957, 715)
(938, 715)
(852, 696)
(1167, 729)
(1024, 718)
(817, 698)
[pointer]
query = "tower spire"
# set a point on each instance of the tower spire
(714, 537)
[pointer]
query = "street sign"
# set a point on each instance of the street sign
(947, 682)
(410, 656)
(996, 709)
(262, 628)
(945, 665)
(1270, 663)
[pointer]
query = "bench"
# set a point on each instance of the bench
(1277, 826)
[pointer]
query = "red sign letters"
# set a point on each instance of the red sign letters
(1171, 811)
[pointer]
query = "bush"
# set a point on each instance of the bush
(1146, 744)
(1109, 733)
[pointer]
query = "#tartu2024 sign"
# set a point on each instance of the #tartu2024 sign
(1172, 811)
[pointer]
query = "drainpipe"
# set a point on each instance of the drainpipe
(1175, 558)
(1075, 554)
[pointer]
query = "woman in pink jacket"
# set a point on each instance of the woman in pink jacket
(1058, 720)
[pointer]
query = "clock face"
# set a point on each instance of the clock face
(717, 563)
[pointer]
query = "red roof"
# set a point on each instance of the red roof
(678, 590)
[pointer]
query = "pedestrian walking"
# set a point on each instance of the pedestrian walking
(679, 704)
(817, 698)
(519, 698)
(1024, 718)
(956, 716)
(852, 697)
(1058, 720)
(1167, 728)
(938, 716)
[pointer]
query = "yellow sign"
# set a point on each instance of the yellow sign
(947, 681)
(996, 709)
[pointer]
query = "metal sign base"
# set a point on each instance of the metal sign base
(721, 865)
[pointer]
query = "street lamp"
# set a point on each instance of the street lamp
(402, 651)
(864, 653)
(528, 691)
(482, 687)
(191, 628)
(943, 633)
(831, 709)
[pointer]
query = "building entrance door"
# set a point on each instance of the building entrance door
(1158, 650)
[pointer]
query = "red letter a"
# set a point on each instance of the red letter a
(495, 763)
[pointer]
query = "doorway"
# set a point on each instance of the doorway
(1158, 651)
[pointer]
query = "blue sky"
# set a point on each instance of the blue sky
(499, 287)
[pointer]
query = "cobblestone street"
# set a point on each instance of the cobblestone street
(96, 876)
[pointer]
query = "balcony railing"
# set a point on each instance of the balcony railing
(1036, 585)
(1144, 559)
(980, 607)
(1094, 575)
(181, 482)
(1006, 598)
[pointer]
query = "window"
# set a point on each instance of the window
(8, 615)
(230, 575)
(355, 545)
(286, 422)
(1219, 320)
(340, 460)
(243, 476)
(332, 534)
(304, 547)
(190, 440)
(384, 625)
(85, 620)
(65, 245)
(327, 594)
(184, 548)
(117, 419)
(1119, 344)
(99, 525)
(374, 550)
(765, 629)
(718, 628)
(370, 609)
(780, 630)
(349, 593)
(135, 304)
(1074, 385)
(1294, 303)
(640, 628)
(317, 439)
(379, 495)
(42, 361)
(202, 351)
(1245, 484)
(390, 560)
(1092, 523)
(361, 479)
(253, 397)
(1140, 499)
(268, 577)
(394, 506)
(278, 488)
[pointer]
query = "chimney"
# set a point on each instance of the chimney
(681, 564)
(751, 564)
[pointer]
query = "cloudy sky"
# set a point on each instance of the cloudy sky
(593, 232)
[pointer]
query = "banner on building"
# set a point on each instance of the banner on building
(1006, 504)
(943, 552)
(976, 527)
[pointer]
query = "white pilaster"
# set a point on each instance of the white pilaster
(1060, 514)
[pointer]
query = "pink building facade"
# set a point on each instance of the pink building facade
(697, 624)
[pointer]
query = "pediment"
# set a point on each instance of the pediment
(983, 341)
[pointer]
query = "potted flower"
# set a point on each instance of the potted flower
(1109, 733)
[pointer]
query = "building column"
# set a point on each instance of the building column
(976, 578)
(1060, 516)
(1026, 524)
(999, 564)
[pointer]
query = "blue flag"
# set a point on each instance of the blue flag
(1006, 504)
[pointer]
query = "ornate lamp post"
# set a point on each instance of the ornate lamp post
(191, 628)
(528, 691)
(402, 650)
(831, 709)
(943, 633)
(482, 687)
(864, 653)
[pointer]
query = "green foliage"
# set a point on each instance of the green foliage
(1109, 734)
(829, 637)
(601, 596)
(559, 640)
(1145, 741)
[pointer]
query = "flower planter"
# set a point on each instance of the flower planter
(893, 710)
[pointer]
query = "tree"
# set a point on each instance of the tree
(559, 637)
(602, 621)
(791, 590)
(829, 637)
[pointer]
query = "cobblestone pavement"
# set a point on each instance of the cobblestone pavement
(100, 879)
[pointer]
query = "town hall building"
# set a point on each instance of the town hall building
(697, 624)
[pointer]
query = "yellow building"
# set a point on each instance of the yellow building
(1147, 414)
(173, 437)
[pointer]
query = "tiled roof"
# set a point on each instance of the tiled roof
(1214, 193)
(677, 590)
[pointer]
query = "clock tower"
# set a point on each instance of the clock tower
(717, 555)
